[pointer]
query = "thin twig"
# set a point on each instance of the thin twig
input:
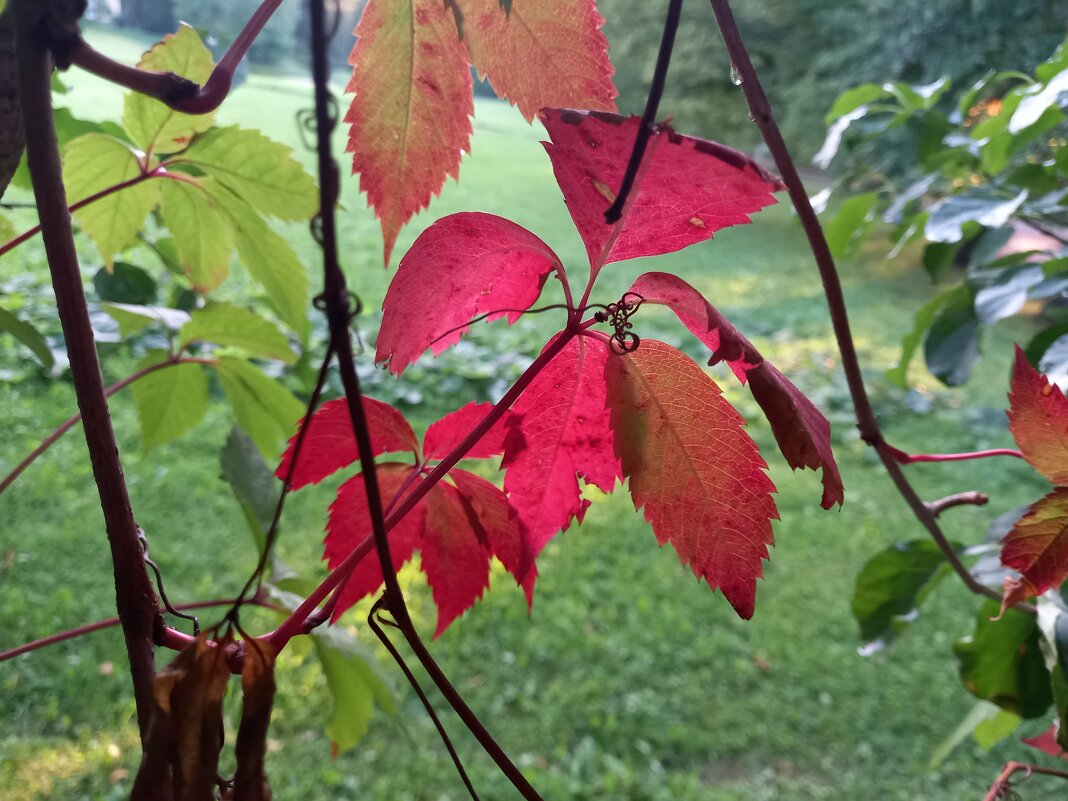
(1002, 786)
(74, 419)
(135, 598)
(910, 458)
(760, 110)
(970, 498)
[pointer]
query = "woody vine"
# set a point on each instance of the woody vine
(599, 403)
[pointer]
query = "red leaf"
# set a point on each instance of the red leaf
(410, 119)
(461, 266)
(800, 429)
(349, 524)
(500, 527)
(448, 432)
(692, 467)
(1037, 547)
(1038, 419)
(701, 318)
(559, 432)
(456, 562)
(330, 443)
(1047, 743)
(541, 53)
(687, 188)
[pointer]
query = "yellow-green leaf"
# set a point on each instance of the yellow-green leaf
(151, 124)
(202, 232)
(95, 162)
(170, 401)
(262, 172)
(263, 408)
(224, 324)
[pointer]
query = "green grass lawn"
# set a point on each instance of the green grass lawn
(630, 680)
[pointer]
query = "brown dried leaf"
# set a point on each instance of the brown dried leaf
(258, 688)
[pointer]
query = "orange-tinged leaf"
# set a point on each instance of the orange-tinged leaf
(1038, 419)
(692, 468)
(541, 53)
(1037, 547)
(410, 119)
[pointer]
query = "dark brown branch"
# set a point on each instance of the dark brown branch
(74, 419)
(1002, 787)
(760, 110)
(135, 598)
(971, 498)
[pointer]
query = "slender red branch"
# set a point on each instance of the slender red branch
(107, 623)
(73, 420)
(1002, 787)
(760, 111)
(970, 498)
(135, 597)
(909, 458)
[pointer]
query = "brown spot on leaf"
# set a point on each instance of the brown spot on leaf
(697, 222)
(605, 191)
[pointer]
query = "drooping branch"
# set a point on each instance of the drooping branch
(1002, 788)
(74, 419)
(762, 115)
(135, 598)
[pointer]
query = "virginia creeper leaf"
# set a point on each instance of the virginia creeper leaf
(224, 324)
(558, 433)
(202, 231)
(264, 409)
(1038, 419)
(448, 432)
(353, 701)
(687, 188)
(95, 162)
(1037, 547)
(541, 53)
(500, 527)
(692, 468)
(260, 171)
(410, 120)
(125, 283)
(1002, 662)
(132, 318)
(349, 524)
(455, 560)
(801, 431)
(170, 401)
(29, 336)
(257, 698)
(1046, 742)
(153, 126)
(461, 266)
(330, 443)
(254, 485)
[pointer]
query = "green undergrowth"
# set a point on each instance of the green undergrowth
(629, 680)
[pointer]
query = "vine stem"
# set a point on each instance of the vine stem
(111, 622)
(970, 498)
(910, 458)
(867, 423)
(136, 601)
(1001, 785)
(73, 420)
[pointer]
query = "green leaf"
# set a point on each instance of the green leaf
(202, 232)
(850, 224)
(915, 97)
(952, 343)
(992, 730)
(892, 585)
(1002, 662)
(170, 401)
(1038, 100)
(852, 99)
(132, 318)
(256, 488)
(153, 126)
(93, 163)
(224, 324)
(982, 711)
(939, 258)
(1007, 294)
(29, 336)
(260, 171)
(125, 283)
(265, 410)
(921, 324)
(947, 216)
(1042, 341)
(7, 229)
(354, 686)
(269, 260)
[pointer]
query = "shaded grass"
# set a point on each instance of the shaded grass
(630, 680)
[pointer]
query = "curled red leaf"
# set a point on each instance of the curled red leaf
(1038, 419)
